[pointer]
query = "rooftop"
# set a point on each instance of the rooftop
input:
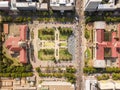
(105, 85)
(56, 85)
(17, 44)
(102, 45)
(5, 28)
(4, 4)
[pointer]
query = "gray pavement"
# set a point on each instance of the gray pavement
(80, 45)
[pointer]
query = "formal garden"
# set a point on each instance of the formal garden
(48, 44)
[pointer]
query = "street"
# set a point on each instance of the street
(79, 44)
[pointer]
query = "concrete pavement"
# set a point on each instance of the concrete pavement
(80, 44)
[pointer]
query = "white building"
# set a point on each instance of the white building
(62, 5)
(26, 5)
(109, 85)
(56, 85)
(107, 7)
(4, 5)
(90, 83)
(91, 5)
(42, 6)
(95, 5)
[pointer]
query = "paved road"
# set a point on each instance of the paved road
(80, 45)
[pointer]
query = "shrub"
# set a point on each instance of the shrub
(87, 34)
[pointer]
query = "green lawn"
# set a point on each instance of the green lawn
(87, 54)
(46, 54)
(65, 55)
(88, 57)
(87, 34)
(49, 44)
(63, 44)
(46, 34)
(65, 32)
(63, 37)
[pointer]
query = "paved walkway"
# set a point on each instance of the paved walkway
(57, 44)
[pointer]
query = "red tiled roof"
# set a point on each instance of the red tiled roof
(23, 56)
(100, 35)
(5, 28)
(23, 32)
(101, 44)
(118, 44)
(114, 52)
(12, 43)
(100, 53)
(114, 42)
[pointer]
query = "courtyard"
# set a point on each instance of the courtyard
(53, 43)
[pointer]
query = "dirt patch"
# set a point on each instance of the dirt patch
(14, 29)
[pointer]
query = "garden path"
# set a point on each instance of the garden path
(57, 44)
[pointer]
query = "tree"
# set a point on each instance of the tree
(51, 12)
(70, 77)
(70, 70)
(38, 69)
(9, 18)
(103, 77)
(29, 67)
(29, 19)
(89, 70)
(113, 70)
(115, 76)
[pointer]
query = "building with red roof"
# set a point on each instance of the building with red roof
(18, 44)
(112, 46)
(6, 28)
